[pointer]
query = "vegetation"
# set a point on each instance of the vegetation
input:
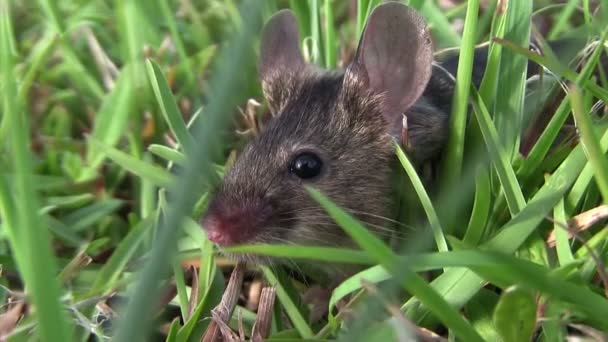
(103, 103)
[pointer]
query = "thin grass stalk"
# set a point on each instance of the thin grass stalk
(452, 163)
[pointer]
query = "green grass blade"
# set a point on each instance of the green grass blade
(425, 200)
(8, 213)
(489, 82)
(481, 209)
(508, 109)
(440, 25)
(590, 142)
(38, 262)
(372, 275)
(85, 217)
(545, 141)
(315, 32)
(556, 67)
(329, 254)
(180, 286)
(50, 9)
(109, 274)
(110, 121)
(452, 163)
(142, 169)
(330, 37)
(579, 188)
(167, 153)
(500, 158)
(562, 20)
(515, 314)
(406, 277)
(562, 243)
(38, 56)
(168, 107)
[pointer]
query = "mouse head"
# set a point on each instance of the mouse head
(331, 130)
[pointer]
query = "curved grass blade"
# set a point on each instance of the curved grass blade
(167, 153)
(500, 158)
(89, 215)
(142, 169)
(425, 200)
(110, 121)
(109, 274)
(556, 67)
(590, 142)
(403, 274)
(481, 209)
(168, 107)
(451, 167)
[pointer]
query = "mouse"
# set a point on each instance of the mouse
(332, 130)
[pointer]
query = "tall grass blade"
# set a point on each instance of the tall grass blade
(431, 214)
(452, 163)
(183, 198)
(508, 109)
(38, 265)
(500, 158)
(168, 107)
(590, 142)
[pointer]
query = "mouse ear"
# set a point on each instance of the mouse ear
(393, 59)
(280, 57)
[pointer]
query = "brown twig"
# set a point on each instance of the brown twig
(106, 67)
(9, 319)
(261, 327)
(223, 311)
(582, 222)
(194, 293)
(598, 261)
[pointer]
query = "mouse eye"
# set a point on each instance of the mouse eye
(306, 165)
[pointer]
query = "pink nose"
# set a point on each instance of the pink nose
(219, 232)
(229, 223)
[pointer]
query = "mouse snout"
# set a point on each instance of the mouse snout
(228, 224)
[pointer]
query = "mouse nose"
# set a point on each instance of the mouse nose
(235, 224)
(217, 232)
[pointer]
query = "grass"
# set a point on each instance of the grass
(118, 118)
